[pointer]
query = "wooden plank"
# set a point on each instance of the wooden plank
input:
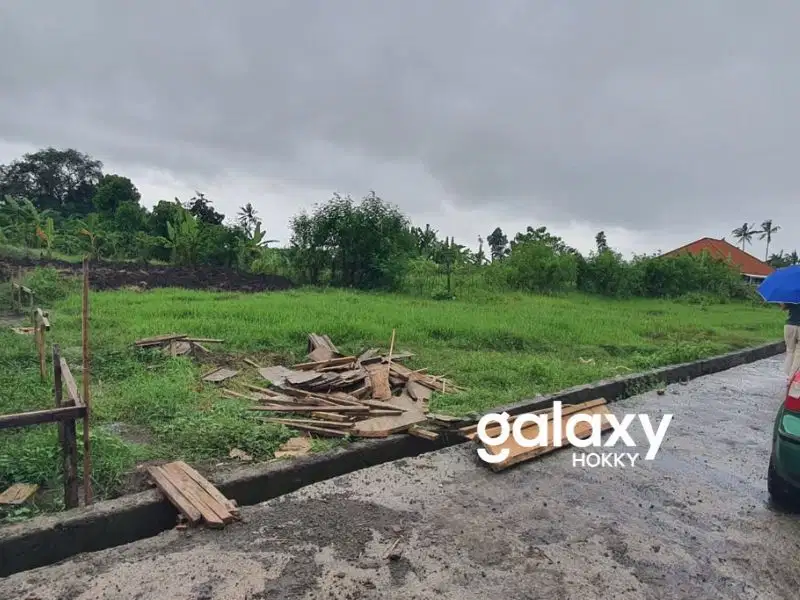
(471, 431)
(220, 374)
(385, 426)
(174, 495)
(368, 356)
(297, 446)
(320, 347)
(68, 438)
(85, 379)
(299, 408)
(215, 513)
(418, 391)
(305, 378)
(320, 430)
(377, 412)
(320, 354)
(518, 454)
(379, 380)
(315, 423)
(275, 401)
(207, 486)
(405, 402)
(19, 493)
(332, 362)
(276, 375)
(41, 317)
(423, 433)
(160, 339)
(73, 397)
(39, 417)
(331, 417)
(261, 390)
(203, 340)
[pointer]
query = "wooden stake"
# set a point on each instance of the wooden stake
(67, 437)
(87, 457)
(40, 344)
(391, 349)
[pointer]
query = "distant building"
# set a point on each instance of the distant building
(752, 269)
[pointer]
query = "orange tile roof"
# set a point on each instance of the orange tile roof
(747, 263)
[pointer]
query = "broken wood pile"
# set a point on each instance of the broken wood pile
(334, 395)
(177, 344)
(196, 499)
(531, 431)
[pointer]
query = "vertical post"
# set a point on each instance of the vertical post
(40, 344)
(19, 287)
(68, 438)
(87, 457)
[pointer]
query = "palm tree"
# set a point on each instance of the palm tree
(744, 234)
(246, 217)
(767, 230)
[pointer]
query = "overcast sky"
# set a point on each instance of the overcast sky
(659, 122)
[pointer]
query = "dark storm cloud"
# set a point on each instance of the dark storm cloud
(640, 114)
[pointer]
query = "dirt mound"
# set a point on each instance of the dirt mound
(108, 276)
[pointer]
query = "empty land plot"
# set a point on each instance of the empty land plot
(148, 405)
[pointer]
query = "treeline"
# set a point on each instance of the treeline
(61, 202)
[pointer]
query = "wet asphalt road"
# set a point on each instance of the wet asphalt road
(694, 523)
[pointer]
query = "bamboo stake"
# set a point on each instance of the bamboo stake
(87, 457)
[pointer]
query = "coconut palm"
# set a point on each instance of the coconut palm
(247, 217)
(744, 234)
(767, 230)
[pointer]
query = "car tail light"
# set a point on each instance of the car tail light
(792, 402)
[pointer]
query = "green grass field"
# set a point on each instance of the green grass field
(502, 349)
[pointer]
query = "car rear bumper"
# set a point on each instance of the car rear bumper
(786, 451)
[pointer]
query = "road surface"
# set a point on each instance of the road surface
(694, 523)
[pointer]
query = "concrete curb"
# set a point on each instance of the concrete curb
(50, 539)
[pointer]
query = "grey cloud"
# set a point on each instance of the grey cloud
(638, 114)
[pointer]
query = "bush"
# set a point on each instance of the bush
(49, 285)
(536, 267)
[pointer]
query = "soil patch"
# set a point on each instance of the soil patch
(108, 276)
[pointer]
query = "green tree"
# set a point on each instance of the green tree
(767, 231)
(114, 191)
(247, 218)
(498, 244)
(365, 245)
(601, 242)
(744, 234)
(60, 180)
(202, 209)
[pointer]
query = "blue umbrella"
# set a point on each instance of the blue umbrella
(783, 285)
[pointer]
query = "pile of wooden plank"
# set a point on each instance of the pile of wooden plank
(196, 499)
(177, 344)
(518, 454)
(370, 395)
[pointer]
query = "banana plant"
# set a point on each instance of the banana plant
(90, 228)
(47, 235)
(251, 245)
(183, 236)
